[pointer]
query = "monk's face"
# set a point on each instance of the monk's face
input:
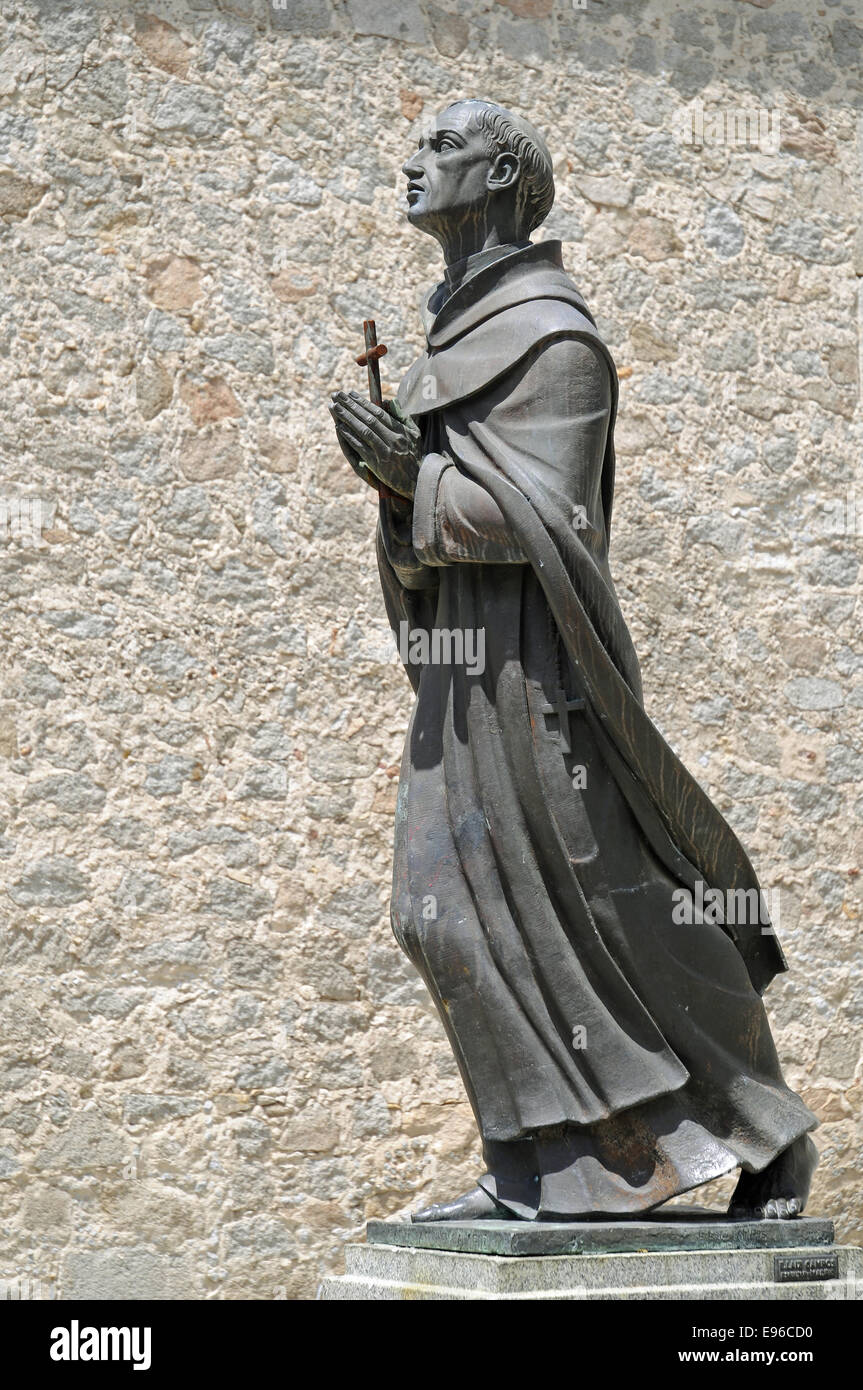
(448, 174)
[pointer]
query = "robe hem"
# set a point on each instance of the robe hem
(529, 1212)
(526, 1213)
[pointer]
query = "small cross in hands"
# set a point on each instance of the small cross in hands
(381, 445)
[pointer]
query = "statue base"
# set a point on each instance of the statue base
(682, 1253)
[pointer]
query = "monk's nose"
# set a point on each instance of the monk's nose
(412, 169)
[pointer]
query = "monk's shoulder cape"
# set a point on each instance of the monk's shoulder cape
(490, 324)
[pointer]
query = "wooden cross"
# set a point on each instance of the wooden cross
(561, 709)
(370, 358)
(374, 351)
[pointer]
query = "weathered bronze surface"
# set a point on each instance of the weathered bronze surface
(547, 838)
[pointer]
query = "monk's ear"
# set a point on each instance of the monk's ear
(504, 171)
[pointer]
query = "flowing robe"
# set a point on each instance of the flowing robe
(613, 1056)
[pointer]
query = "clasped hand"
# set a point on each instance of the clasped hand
(379, 442)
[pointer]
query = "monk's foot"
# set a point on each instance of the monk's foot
(780, 1190)
(475, 1205)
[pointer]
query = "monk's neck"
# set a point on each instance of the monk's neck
(456, 272)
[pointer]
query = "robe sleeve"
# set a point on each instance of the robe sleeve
(395, 544)
(552, 411)
(455, 519)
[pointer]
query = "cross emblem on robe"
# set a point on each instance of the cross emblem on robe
(561, 708)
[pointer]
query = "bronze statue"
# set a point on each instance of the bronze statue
(615, 1050)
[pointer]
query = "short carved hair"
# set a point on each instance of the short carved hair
(506, 133)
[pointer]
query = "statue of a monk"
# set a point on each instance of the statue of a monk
(615, 1050)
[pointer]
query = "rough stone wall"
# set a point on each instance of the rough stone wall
(216, 1064)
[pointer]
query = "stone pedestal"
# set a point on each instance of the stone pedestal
(688, 1253)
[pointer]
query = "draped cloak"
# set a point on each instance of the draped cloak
(613, 1055)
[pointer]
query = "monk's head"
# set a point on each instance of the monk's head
(479, 170)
